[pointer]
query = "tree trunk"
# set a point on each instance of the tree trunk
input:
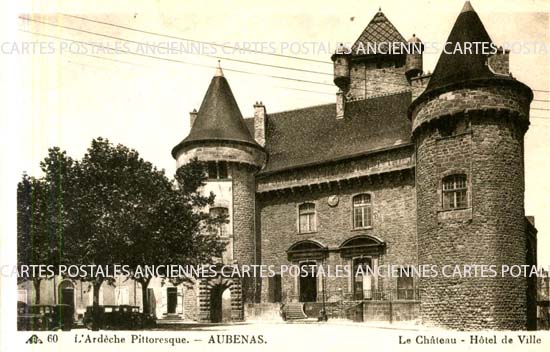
(36, 283)
(95, 309)
(144, 296)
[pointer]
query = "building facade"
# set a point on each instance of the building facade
(406, 168)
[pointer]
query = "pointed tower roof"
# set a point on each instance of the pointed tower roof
(458, 67)
(219, 117)
(379, 29)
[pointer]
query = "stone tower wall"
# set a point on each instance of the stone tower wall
(477, 132)
(244, 203)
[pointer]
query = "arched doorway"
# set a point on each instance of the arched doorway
(66, 293)
(66, 296)
(220, 304)
(363, 253)
(308, 254)
(211, 291)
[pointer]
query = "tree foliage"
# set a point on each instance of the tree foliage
(112, 207)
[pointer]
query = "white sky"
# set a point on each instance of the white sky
(68, 99)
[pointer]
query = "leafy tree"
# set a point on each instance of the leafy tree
(116, 196)
(112, 207)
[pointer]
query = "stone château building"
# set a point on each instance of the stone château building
(405, 168)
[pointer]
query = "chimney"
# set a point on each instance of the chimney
(500, 62)
(260, 120)
(192, 117)
(340, 104)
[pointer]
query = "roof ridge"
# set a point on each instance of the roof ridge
(298, 109)
(380, 95)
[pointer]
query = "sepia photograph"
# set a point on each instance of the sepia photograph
(267, 175)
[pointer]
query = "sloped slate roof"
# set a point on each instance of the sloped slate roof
(219, 117)
(457, 67)
(379, 30)
(313, 135)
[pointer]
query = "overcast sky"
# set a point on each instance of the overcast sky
(65, 98)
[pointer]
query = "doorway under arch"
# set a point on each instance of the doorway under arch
(66, 293)
(220, 304)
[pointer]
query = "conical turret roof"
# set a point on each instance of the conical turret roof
(219, 117)
(458, 67)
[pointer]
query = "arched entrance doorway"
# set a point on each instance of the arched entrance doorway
(212, 292)
(363, 253)
(220, 304)
(66, 296)
(66, 293)
(309, 254)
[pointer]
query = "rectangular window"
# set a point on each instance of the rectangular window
(362, 211)
(405, 284)
(222, 170)
(455, 192)
(307, 219)
(212, 169)
(217, 170)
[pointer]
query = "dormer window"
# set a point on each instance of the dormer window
(455, 192)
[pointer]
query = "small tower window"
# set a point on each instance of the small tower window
(455, 191)
(307, 221)
(223, 213)
(362, 211)
(222, 170)
(217, 169)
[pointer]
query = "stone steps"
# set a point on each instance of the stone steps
(294, 311)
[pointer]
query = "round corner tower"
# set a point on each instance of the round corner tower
(469, 127)
(220, 138)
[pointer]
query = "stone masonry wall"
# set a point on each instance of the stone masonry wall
(244, 196)
(369, 81)
(463, 99)
(394, 217)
